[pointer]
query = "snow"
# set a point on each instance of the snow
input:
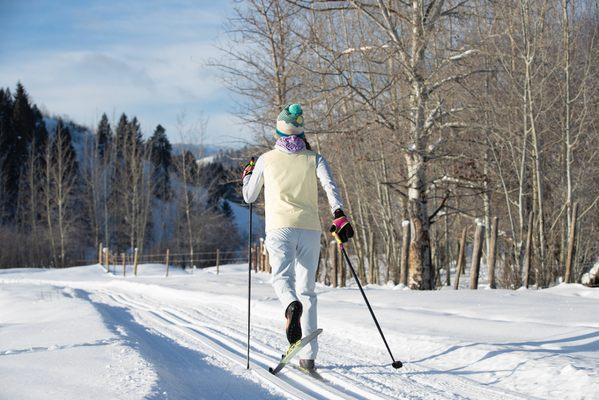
(241, 216)
(592, 276)
(463, 54)
(206, 160)
(82, 331)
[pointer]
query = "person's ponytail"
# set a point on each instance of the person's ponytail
(308, 147)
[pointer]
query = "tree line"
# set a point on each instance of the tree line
(64, 190)
(442, 113)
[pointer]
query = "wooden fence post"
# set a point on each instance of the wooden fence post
(491, 259)
(217, 261)
(261, 256)
(267, 261)
(405, 249)
(168, 253)
(527, 253)
(459, 266)
(135, 260)
(100, 254)
(256, 250)
(477, 249)
(571, 246)
(124, 264)
(104, 261)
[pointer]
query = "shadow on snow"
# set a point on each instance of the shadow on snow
(182, 373)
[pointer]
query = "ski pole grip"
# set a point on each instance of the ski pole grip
(337, 238)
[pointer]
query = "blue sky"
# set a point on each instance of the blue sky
(142, 57)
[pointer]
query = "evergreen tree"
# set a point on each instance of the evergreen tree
(6, 126)
(104, 135)
(64, 140)
(24, 128)
(135, 135)
(161, 157)
(23, 117)
(40, 132)
(191, 166)
(18, 139)
(226, 209)
(8, 180)
(121, 134)
(213, 178)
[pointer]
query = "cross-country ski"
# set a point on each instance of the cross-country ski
(293, 350)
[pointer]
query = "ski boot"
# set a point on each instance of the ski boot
(293, 328)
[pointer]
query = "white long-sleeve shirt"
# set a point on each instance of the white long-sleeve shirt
(252, 184)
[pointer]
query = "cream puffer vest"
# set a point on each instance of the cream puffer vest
(290, 190)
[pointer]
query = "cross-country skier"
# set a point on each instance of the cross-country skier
(289, 173)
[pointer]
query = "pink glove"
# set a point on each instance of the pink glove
(342, 227)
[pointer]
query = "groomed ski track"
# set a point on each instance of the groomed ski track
(221, 332)
(212, 326)
(218, 332)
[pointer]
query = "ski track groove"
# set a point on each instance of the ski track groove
(259, 349)
(215, 325)
(299, 386)
(467, 385)
(341, 379)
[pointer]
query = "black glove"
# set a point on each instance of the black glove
(342, 227)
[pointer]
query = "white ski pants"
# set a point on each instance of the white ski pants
(293, 255)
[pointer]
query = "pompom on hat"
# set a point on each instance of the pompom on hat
(290, 121)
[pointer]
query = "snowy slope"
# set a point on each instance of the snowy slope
(241, 216)
(82, 331)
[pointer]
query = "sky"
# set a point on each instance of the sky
(146, 58)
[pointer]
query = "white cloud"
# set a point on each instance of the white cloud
(227, 129)
(151, 62)
(83, 84)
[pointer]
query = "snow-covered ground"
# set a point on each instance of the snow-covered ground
(81, 333)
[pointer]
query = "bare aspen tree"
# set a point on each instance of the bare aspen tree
(187, 169)
(92, 177)
(411, 99)
(62, 175)
(414, 119)
(261, 67)
(49, 201)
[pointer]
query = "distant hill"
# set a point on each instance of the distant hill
(197, 150)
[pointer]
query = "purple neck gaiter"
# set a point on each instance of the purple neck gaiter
(291, 144)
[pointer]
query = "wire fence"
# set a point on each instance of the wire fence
(201, 259)
(119, 262)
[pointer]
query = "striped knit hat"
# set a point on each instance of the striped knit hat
(290, 121)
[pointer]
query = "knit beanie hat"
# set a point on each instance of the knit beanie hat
(290, 121)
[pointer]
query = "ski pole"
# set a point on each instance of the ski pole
(249, 277)
(396, 364)
(249, 284)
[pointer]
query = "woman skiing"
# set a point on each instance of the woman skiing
(288, 174)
